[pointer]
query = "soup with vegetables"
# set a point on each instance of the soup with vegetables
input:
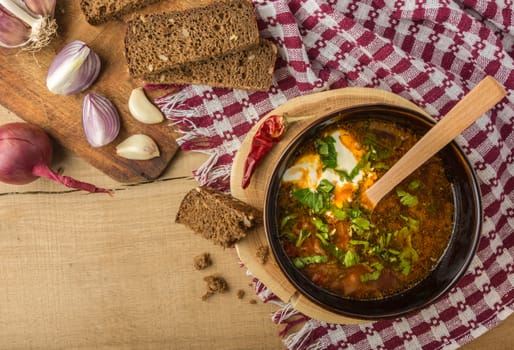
(336, 241)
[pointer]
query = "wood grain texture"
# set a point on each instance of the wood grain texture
(117, 273)
(314, 105)
(23, 91)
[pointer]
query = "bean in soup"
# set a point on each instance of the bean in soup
(336, 241)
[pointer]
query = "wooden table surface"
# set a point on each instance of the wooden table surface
(91, 271)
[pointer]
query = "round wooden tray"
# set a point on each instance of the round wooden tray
(316, 105)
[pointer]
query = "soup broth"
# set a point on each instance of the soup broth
(337, 242)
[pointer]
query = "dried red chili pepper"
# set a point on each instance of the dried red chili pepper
(269, 133)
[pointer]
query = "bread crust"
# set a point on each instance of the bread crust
(160, 41)
(217, 216)
(101, 11)
(248, 69)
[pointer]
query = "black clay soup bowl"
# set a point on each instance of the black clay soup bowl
(403, 255)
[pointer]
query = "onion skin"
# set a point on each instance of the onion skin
(74, 69)
(20, 145)
(26, 152)
(100, 120)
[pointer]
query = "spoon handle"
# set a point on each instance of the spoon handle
(479, 100)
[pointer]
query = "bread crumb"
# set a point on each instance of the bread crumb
(163, 58)
(262, 254)
(202, 261)
(252, 301)
(240, 294)
(215, 284)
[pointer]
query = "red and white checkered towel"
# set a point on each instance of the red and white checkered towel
(429, 51)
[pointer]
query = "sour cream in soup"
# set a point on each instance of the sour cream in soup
(308, 172)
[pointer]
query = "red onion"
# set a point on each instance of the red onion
(26, 152)
(74, 69)
(100, 120)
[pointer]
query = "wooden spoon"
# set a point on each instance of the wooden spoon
(479, 100)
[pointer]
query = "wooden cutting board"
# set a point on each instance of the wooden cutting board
(315, 105)
(23, 91)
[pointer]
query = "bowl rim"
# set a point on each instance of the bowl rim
(377, 305)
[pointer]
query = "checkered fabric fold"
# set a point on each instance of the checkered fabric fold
(429, 52)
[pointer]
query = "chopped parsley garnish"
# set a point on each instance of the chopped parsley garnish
(327, 151)
(351, 258)
(304, 234)
(286, 220)
(412, 224)
(301, 262)
(310, 199)
(414, 185)
(325, 186)
(373, 275)
(339, 214)
(316, 200)
(406, 198)
(320, 225)
(360, 225)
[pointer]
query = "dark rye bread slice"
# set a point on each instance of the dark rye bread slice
(156, 42)
(217, 216)
(248, 69)
(101, 11)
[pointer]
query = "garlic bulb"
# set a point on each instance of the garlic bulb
(100, 120)
(142, 109)
(138, 147)
(41, 7)
(73, 70)
(28, 24)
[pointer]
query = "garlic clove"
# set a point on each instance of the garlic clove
(142, 109)
(41, 7)
(13, 31)
(38, 29)
(138, 147)
(73, 70)
(100, 120)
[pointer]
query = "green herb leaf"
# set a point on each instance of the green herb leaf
(351, 258)
(412, 223)
(405, 266)
(414, 185)
(327, 150)
(320, 225)
(406, 198)
(325, 186)
(339, 214)
(363, 243)
(355, 212)
(287, 219)
(356, 169)
(324, 239)
(304, 234)
(407, 257)
(373, 275)
(360, 225)
(301, 262)
(310, 199)
(376, 149)
(291, 236)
